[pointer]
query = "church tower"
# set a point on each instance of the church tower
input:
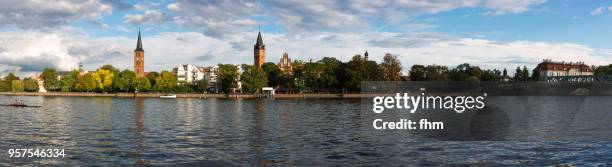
(259, 51)
(139, 58)
(366, 55)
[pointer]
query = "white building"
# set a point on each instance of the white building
(549, 68)
(189, 73)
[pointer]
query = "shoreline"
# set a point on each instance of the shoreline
(192, 95)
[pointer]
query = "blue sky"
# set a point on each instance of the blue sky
(489, 33)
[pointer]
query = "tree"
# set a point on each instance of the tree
(436, 73)
(110, 68)
(124, 81)
(525, 74)
(312, 75)
(151, 77)
(465, 72)
(535, 74)
(253, 79)
(227, 77)
(518, 75)
(603, 70)
(273, 73)
(391, 68)
(50, 79)
(417, 73)
(16, 86)
(201, 85)
(10, 78)
(105, 83)
(491, 75)
(166, 81)
(142, 84)
(359, 69)
(30, 85)
(332, 73)
(68, 82)
(88, 83)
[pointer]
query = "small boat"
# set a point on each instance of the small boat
(168, 96)
(18, 105)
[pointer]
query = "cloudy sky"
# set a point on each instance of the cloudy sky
(488, 33)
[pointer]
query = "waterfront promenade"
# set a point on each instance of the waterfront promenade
(188, 95)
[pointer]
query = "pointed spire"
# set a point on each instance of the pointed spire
(259, 40)
(365, 55)
(139, 43)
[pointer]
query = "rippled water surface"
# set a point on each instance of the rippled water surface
(247, 132)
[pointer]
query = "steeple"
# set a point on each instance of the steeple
(259, 40)
(365, 55)
(139, 44)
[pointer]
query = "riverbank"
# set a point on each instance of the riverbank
(190, 95)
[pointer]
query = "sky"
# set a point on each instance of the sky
(488, 33)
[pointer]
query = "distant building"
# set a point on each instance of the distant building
(285, 64)
(139, 58)
(259, 51)
(366, 55)
(548, 68)
(189, 73)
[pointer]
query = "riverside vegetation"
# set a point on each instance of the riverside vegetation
(328, 75)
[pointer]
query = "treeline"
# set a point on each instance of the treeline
(328, 75)
(467, 72)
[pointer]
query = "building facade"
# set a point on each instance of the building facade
(259, 52)
(285, 64)
(549, 68)
(189, 73)
(139, 58)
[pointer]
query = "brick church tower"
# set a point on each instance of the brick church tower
(259, 52)
(139, 58)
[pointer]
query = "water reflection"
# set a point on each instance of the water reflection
(262, 132)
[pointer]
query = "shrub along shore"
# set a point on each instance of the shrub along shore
(189, 95)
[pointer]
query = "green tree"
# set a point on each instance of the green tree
(227, 77)
(68, 82)
(603, 70)
(124, 81)
(535, 75)
(50, 79)
(151, 77)
(332, 73)
(201, 85)
(518, 75)
(142, 84)
(417, 73)
(10, 78)
(166, 82)
(436, 73)
(465, 72)
(273, 74)
(16, 86)
(525, 74)
(88, 83)
(30, 85)
(359, 70)
(491, 75)
(253, 79)
(391, 68)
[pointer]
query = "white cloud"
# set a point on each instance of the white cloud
(45, 14)
(149, 16)
(31, 51)
(598, 11)
(298, 16)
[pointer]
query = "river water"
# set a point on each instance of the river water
(249, 132)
